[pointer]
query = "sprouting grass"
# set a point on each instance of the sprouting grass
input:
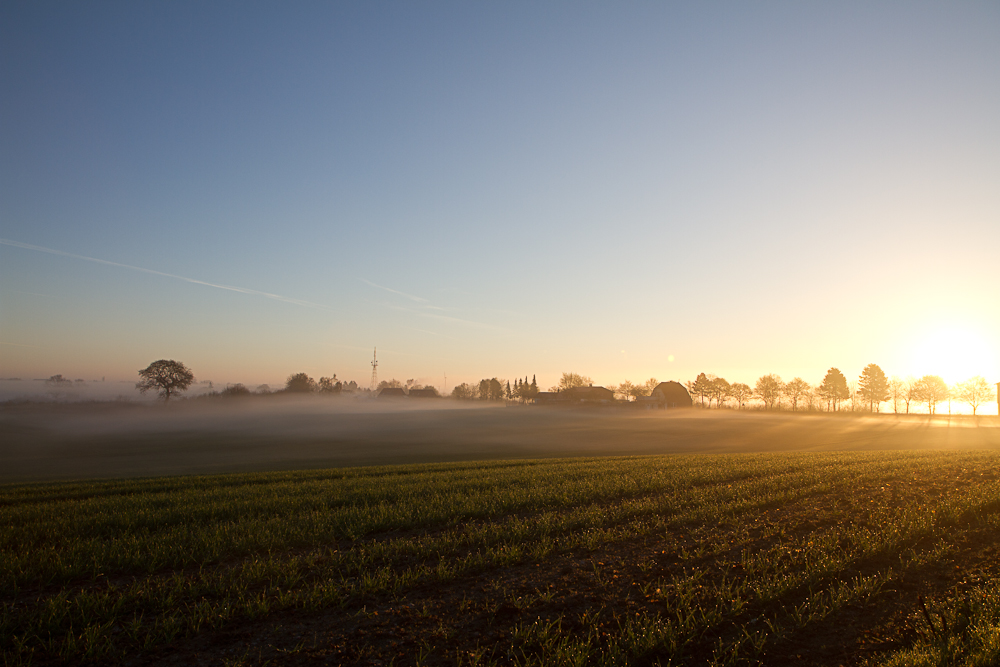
(721, 560)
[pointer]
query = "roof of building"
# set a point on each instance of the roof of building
(577, 394)
(671, 392)
(392, 392)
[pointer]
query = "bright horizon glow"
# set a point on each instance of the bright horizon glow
(955, 352)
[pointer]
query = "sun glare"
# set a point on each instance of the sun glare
(955, 353)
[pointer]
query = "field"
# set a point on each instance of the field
(47, 442)
(812, 558)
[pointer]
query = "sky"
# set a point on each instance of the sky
(621, 190)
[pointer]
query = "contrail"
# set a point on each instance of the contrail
(241, 290)
(418, 299)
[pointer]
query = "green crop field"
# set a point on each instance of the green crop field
(811, 558)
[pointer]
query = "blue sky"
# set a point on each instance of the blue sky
(499, 189)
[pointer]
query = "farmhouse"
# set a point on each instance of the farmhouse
(576, 395)
(667, 395)
(427, 392)
(392, 392)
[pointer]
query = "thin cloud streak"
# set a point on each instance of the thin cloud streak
(424, 305)
(230, 288)
(443, 318)
(418, 299)
(434, 333)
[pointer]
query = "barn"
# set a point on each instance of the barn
(668, 395)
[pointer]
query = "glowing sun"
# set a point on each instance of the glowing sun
(955, 353)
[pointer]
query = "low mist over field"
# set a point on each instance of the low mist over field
(80, 440)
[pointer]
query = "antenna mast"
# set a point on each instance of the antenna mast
(374, 383)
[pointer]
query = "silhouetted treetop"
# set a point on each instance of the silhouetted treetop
(873, 386)
(166, 376)
(300, 383)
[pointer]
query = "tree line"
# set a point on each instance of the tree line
(493, 389)
(871, 389)
(869, 392)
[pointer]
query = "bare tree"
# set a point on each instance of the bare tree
(59, 386)
(166, 376)
(768, 389)
(624, 392)
(897, 388)
(644, 389)
(932, 390)
(719, 390)
(570, 380)
(975, 391)
(741, 393)
(795, 390)
(911, 391)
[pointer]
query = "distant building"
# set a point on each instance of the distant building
(576, 395)
(427, 392)
(392, 392)
(667, 395)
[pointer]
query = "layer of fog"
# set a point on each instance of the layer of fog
(80, 389)
(86, 440)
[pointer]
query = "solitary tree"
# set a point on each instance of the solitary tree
(834, 388)
(166, 376)
(975, 391)
(768, 389)
(58, 386)
(873, 386)
(795, 390)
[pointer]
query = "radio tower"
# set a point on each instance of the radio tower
(374, 384)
